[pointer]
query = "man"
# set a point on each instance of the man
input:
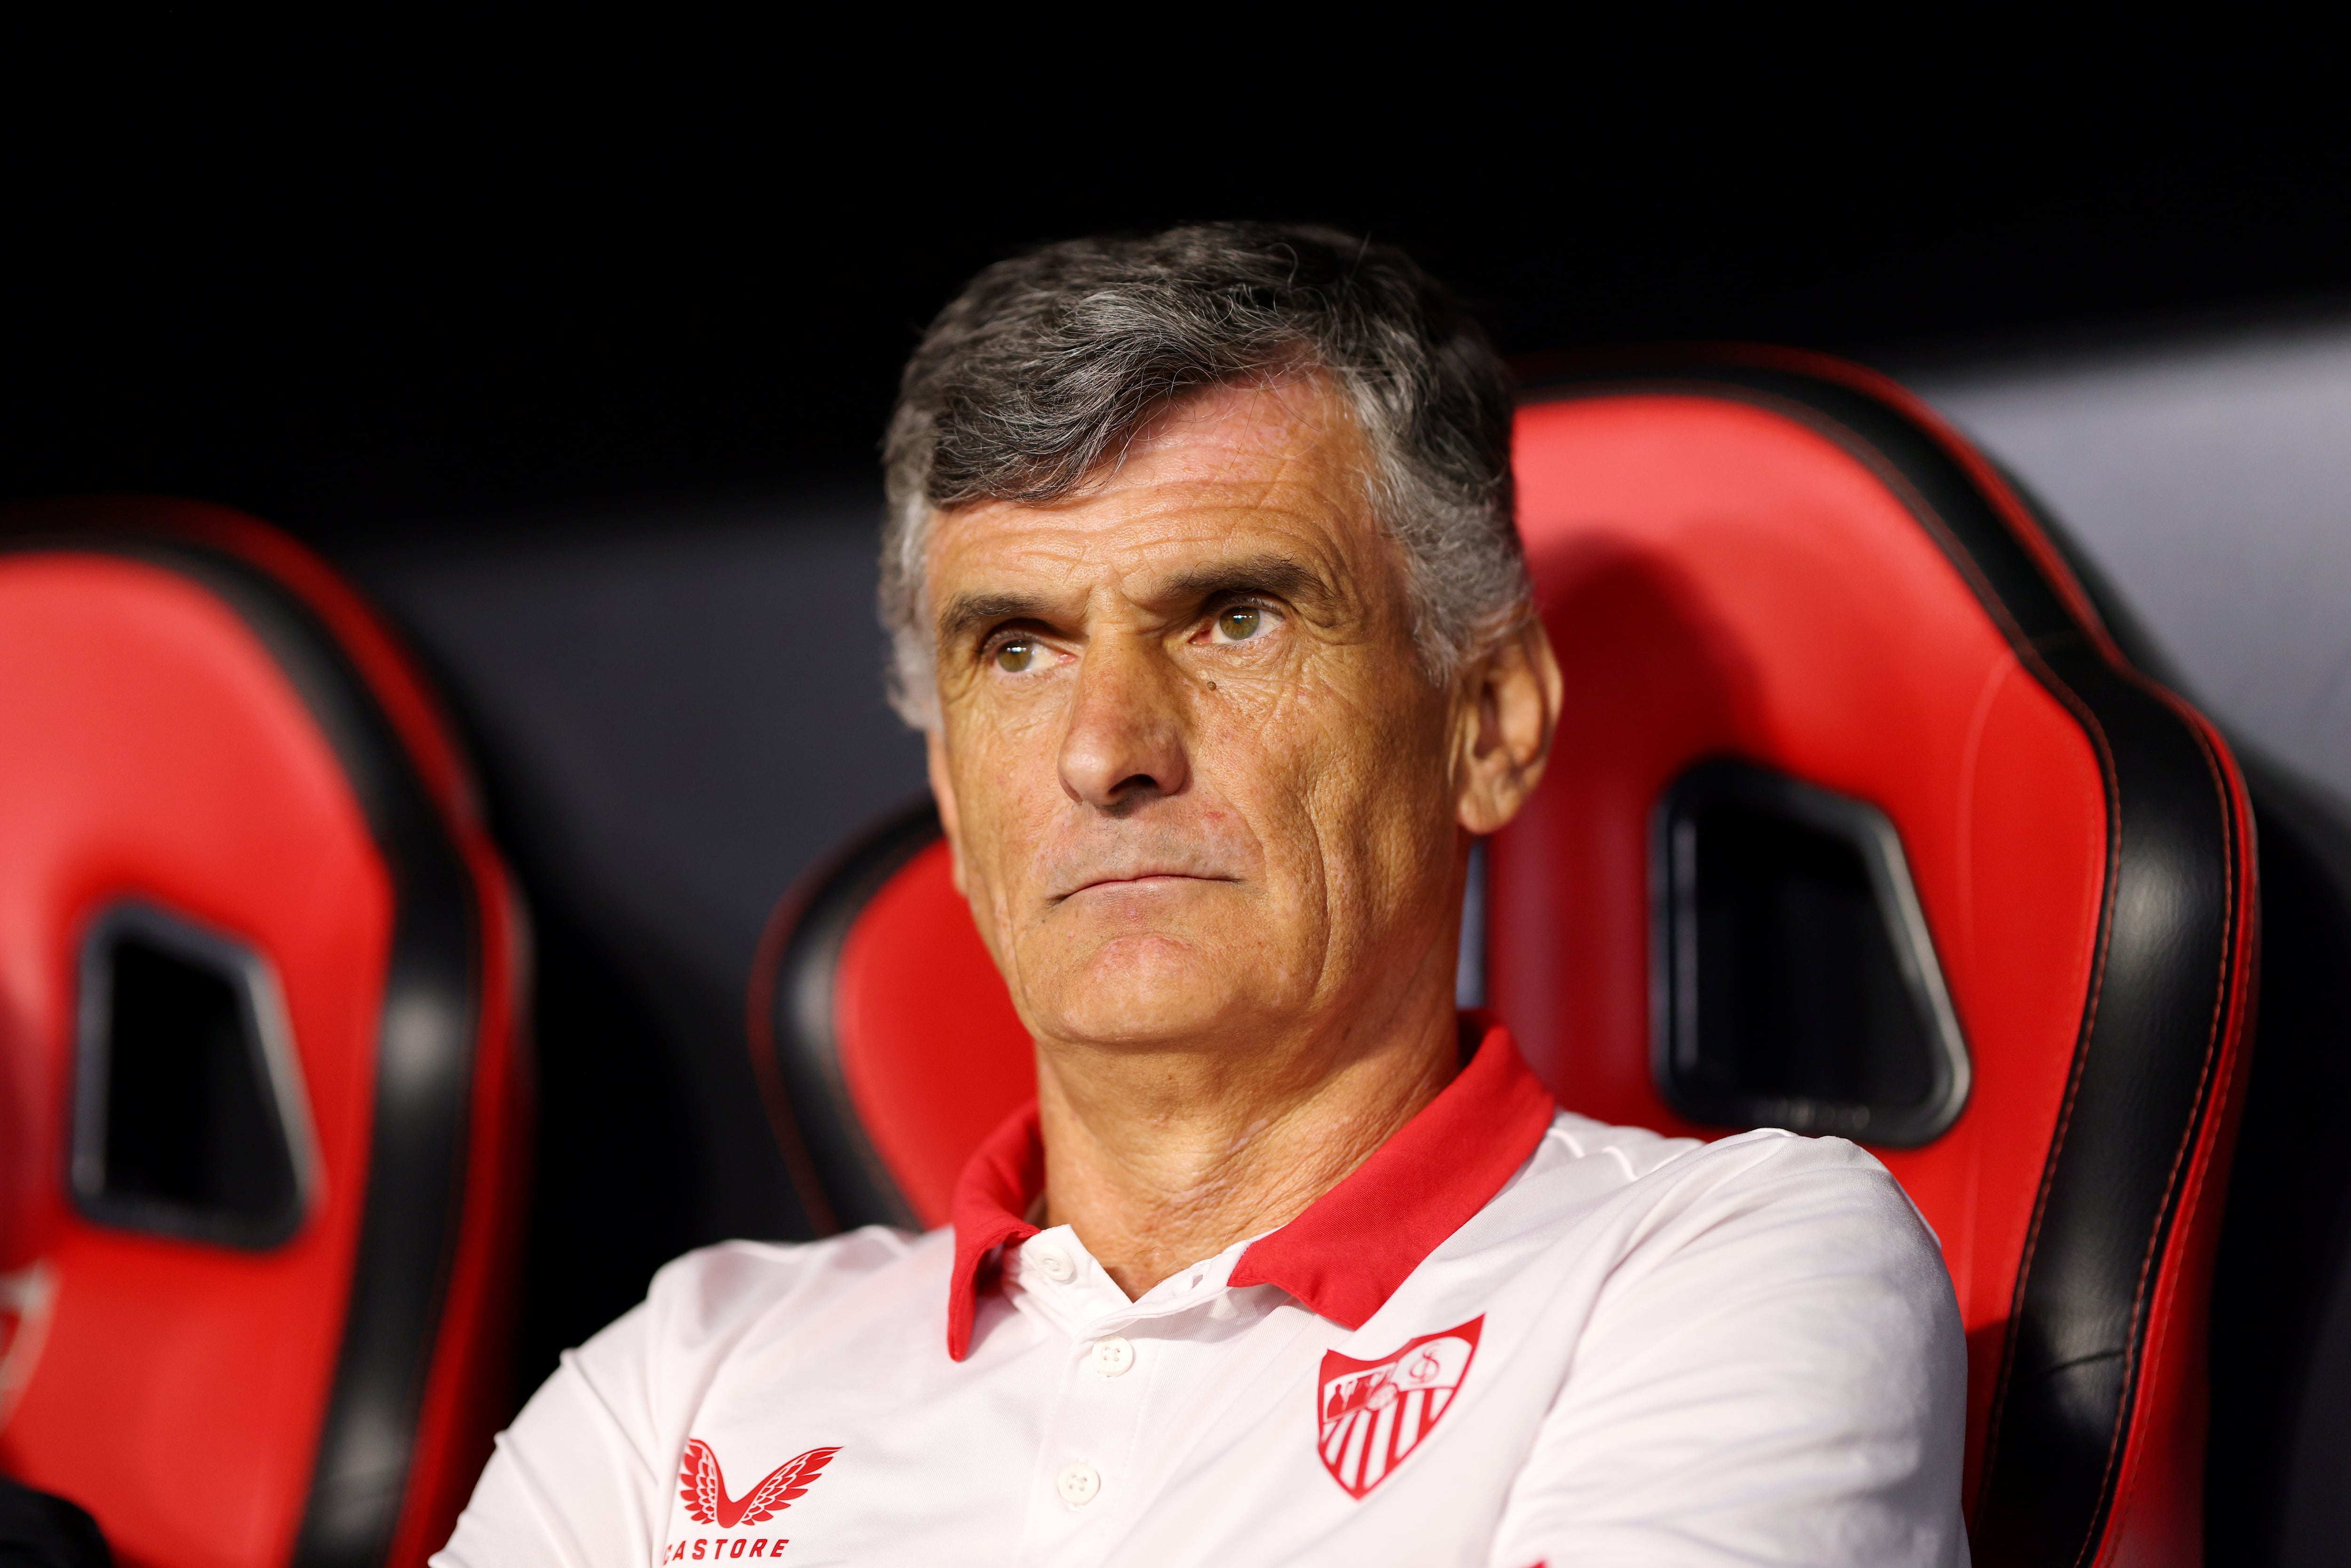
(1205, 591)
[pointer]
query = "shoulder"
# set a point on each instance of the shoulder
(1762, 1157)
(1672, 1193)
(1638, 1151)
(1766, 1247)
(705, 1302)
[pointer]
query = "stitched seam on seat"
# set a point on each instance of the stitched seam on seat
(2001, 1383)
(2200, 1118)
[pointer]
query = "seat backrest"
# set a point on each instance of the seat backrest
(1781, 559)
(261, 1100)
(881, 1035)
(1858, 823)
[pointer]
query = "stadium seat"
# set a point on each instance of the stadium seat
(1860, 824)
(1785, 562)
(262, 1101)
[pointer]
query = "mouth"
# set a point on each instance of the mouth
(1144, 881)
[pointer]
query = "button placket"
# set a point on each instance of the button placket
(1098, 1422)
(1108, 1400)
(1089, 1439)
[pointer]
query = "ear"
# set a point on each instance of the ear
(934, 761)
(1508, 713)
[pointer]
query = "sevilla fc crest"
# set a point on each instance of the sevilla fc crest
(703, 1487)
(1374, 1413)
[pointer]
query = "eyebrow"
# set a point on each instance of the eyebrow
(968, 613)
(1275, 575)
(1279, 576)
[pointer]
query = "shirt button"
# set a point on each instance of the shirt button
(1113, 1356)
(1078, 1483)
(1054, 1263)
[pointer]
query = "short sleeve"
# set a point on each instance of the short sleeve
(1774, 1374)
(573, 1482)
(585, 1477)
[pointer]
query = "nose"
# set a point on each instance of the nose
(1123, 743)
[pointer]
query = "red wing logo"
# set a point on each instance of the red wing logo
(1374, 1413)
(704, 1488)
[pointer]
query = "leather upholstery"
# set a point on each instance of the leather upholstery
(860, 966)
(202, 718)
(1786, 560)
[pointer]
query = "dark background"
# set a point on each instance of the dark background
(571, 342)
(360, 280)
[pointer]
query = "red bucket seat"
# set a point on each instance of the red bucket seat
(261, 1103)
(1858, 822)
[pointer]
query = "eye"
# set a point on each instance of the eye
(1238, 623)
(1016, 655)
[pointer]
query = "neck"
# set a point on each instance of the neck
(1159, 1158)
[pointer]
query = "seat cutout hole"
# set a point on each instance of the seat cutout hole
(187, 1119)
(1797, 985)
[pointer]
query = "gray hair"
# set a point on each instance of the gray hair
(1046, 366)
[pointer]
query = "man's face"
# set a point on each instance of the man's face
(1197, 782)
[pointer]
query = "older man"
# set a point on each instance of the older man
(1206, 595)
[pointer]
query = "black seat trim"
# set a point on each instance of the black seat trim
(795, 1048)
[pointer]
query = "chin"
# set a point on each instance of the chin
(1143, 990)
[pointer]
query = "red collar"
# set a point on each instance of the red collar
(1351, 1248)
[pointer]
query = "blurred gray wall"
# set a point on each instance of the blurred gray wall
(676, 713)
(2210, 479)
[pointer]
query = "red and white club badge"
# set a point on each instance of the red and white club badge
(1374, 1413)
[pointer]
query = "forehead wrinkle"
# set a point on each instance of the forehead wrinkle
(1261, 411)
(1215, 471)
(1045, 563)
(1157, 533)
(1219, 433)
(1254, 474)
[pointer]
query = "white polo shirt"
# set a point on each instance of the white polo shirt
(1513, 1336)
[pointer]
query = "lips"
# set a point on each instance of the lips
(1103, 857)
(1137, 879)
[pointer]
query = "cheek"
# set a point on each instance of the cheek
(1006, 787)
(994, 733)
(1349, 787)
(1377, 791)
